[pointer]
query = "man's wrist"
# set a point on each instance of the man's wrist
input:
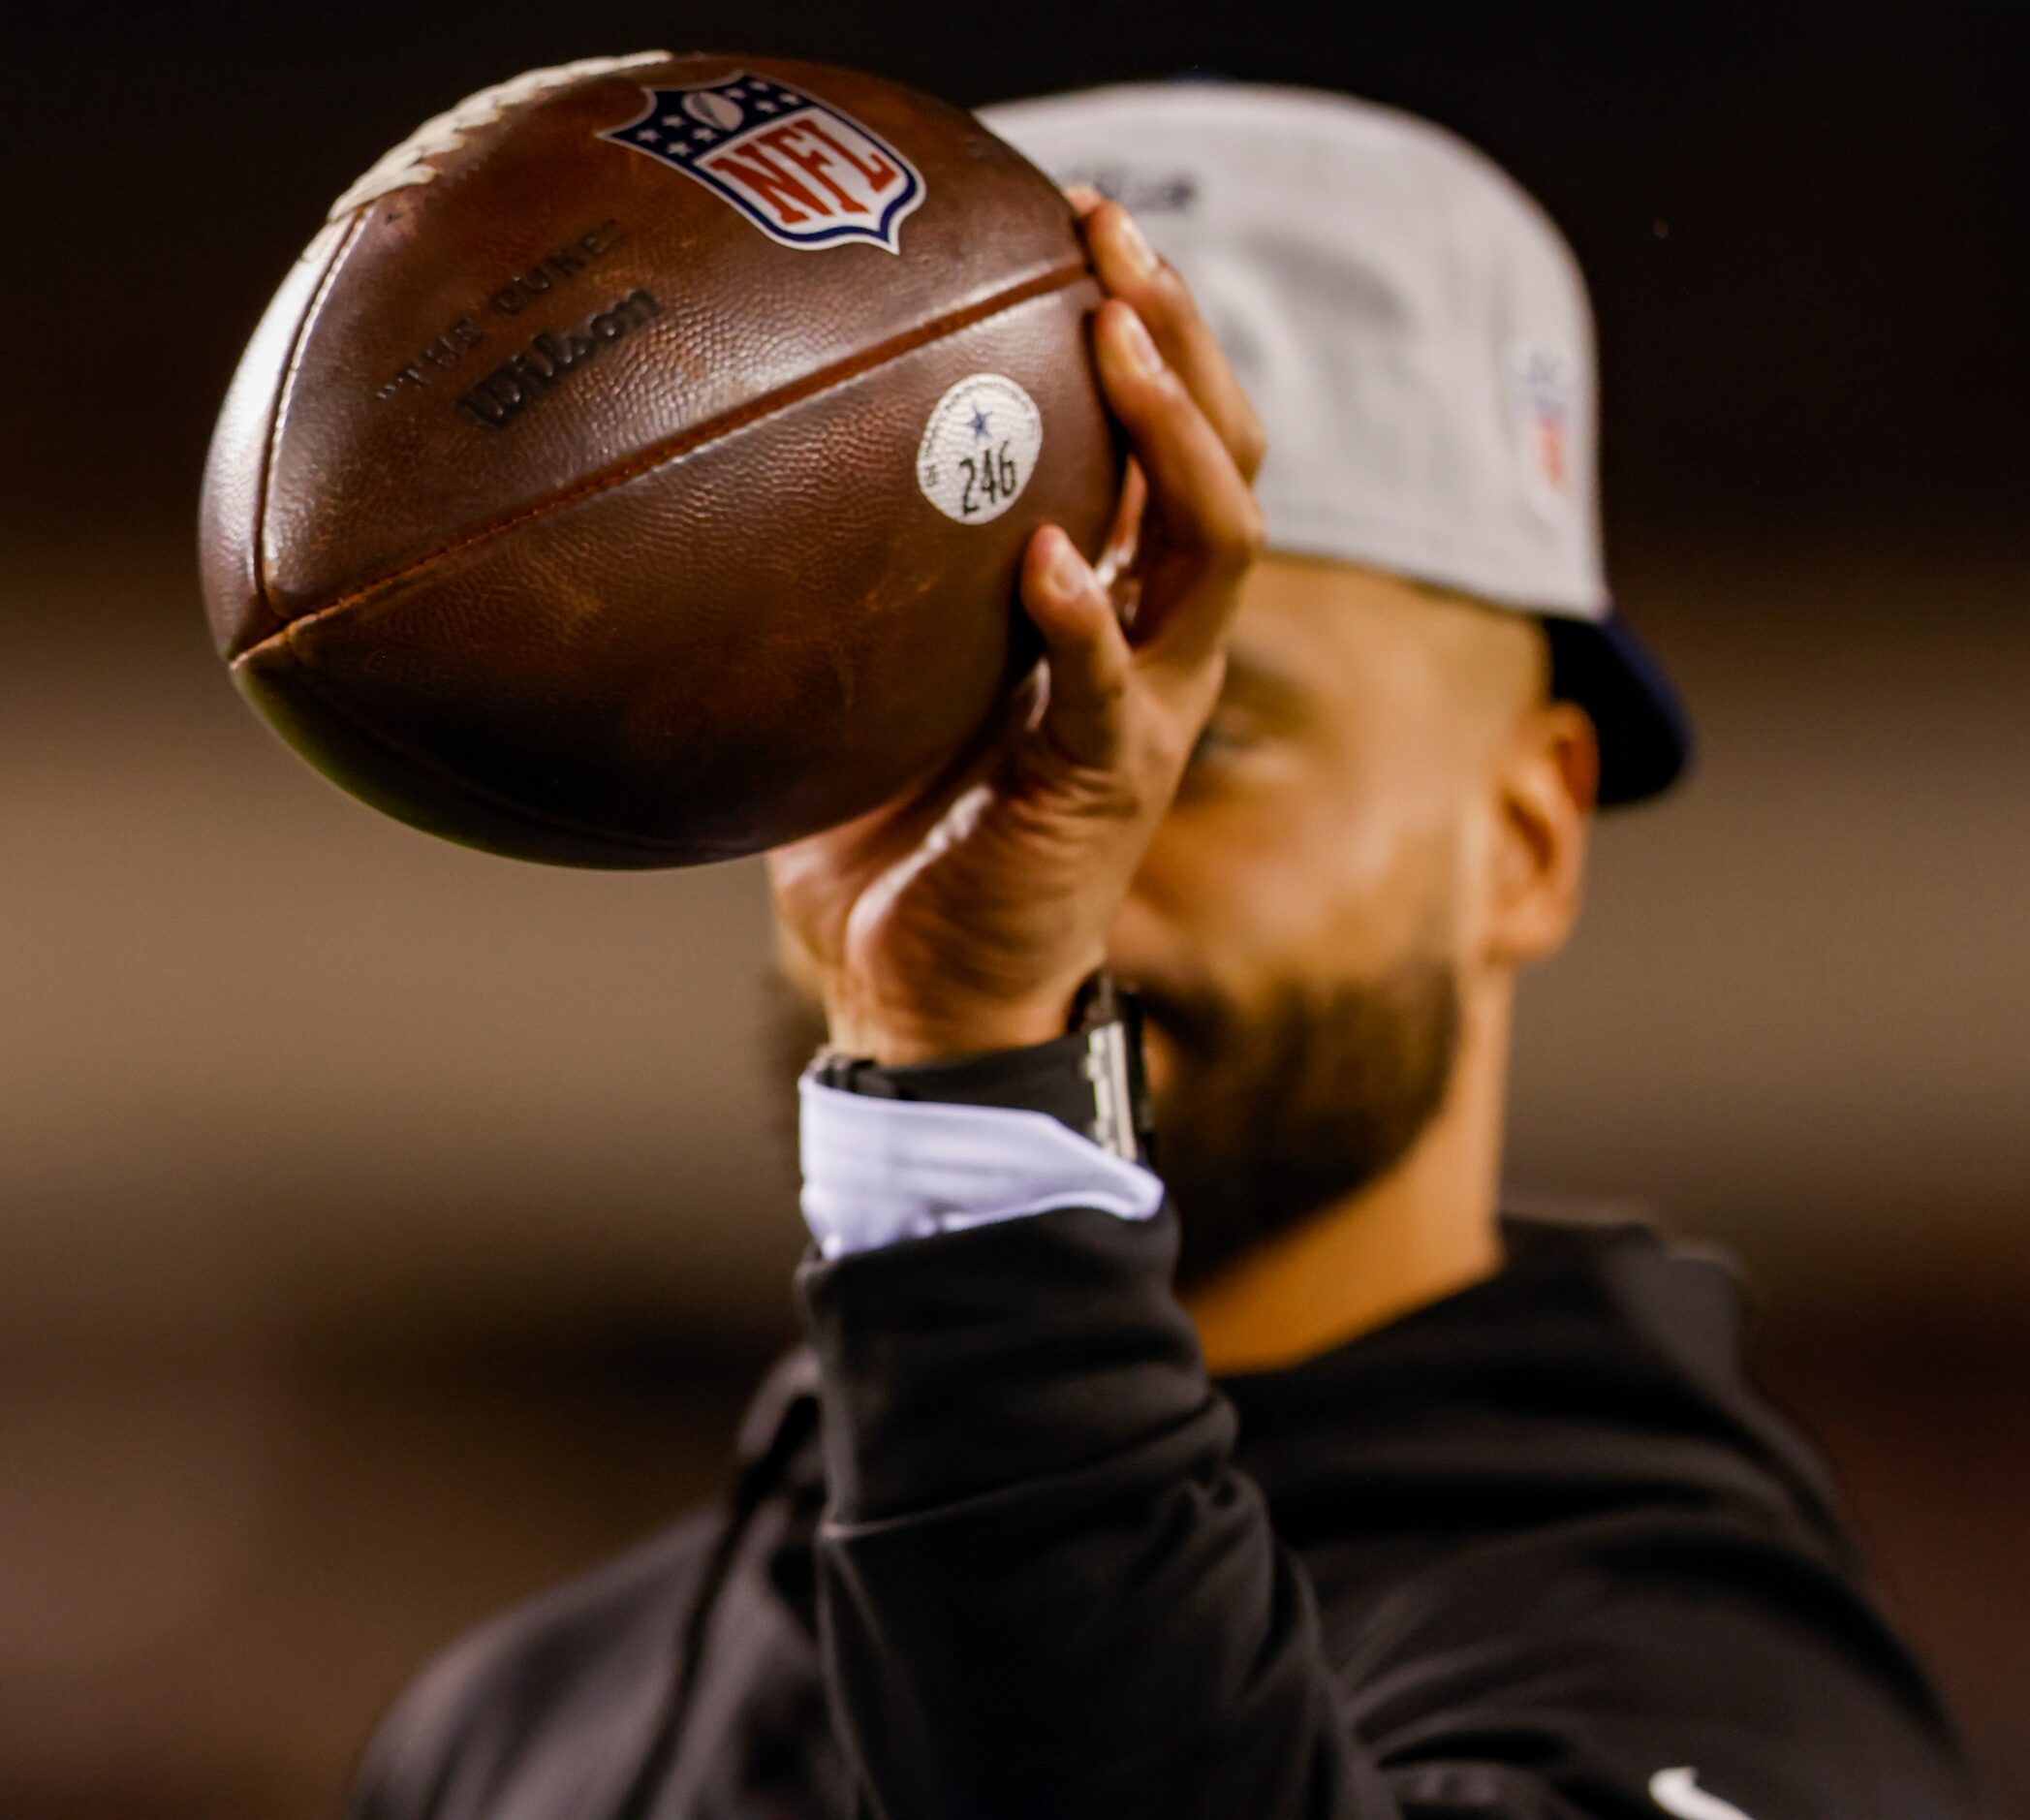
(1086, 1073)
(919, 1149)
(907, 1040)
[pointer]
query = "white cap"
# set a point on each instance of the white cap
(1416, 335)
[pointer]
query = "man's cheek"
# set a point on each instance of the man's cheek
(1159, 1062)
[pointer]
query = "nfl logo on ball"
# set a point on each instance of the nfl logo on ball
(802, 173)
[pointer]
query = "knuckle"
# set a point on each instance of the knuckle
(1251, 442)
(1226, 559)
(1135, 395)
(1132, 799)
(1155, 409)
(1168, 749)
(1082, 792)
(1165, 385)
(1168, 294)
(1246, 537)
(1107, 686)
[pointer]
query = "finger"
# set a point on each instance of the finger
(1207, 527)
(857, 851)
(1130, 269)
(1124, 536)
(1084, 198)
(1087, 652)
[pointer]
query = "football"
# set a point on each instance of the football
(636, 468)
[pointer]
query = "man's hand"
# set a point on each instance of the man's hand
(965, 918)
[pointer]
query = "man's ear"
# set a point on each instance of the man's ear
(1545, 789)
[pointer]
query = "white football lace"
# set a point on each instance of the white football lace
(407, 163)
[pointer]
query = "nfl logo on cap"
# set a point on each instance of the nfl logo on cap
(802, 173)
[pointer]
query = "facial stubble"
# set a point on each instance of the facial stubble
(1296, 1102)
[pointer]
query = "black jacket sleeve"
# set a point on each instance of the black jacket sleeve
(1045, 1589)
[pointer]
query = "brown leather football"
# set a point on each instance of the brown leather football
(636, 469)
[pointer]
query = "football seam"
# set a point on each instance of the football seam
(300, 336)
(676, 448)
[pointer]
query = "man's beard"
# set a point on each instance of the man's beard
(1270, 1112)
(1274, 1112)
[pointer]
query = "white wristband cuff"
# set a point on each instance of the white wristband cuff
(877, 1172)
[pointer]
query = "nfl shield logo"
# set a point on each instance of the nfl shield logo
(802, 173)
(1544, 392)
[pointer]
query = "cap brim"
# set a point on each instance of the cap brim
(1645, 739)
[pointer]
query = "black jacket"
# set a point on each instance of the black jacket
(1534, 1552)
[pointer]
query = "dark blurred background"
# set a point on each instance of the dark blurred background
(387, 1230)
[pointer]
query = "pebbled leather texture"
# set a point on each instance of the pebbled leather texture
(688, 600)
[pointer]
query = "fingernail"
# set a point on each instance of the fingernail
(1136, 344)
(1141, 254)
(1068, 570)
